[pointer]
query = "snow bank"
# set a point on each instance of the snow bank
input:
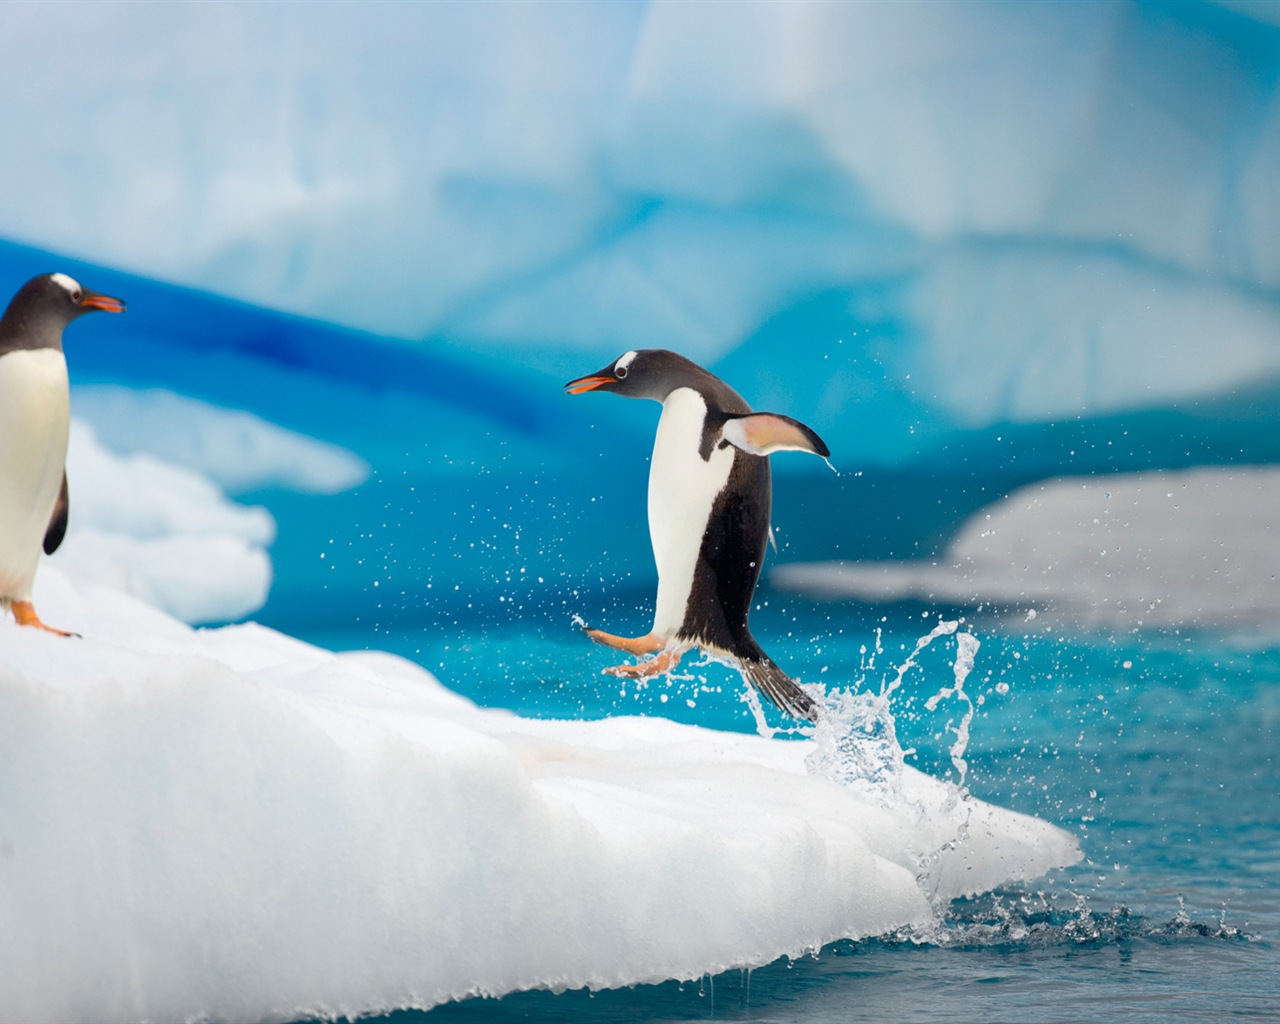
(237, 450)
(230, 824)
(1198, 548)
(163, 533)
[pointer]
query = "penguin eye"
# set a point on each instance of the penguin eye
(620, 372)
(76, 295)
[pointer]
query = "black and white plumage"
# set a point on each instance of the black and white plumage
(710, 496)
(34, 426)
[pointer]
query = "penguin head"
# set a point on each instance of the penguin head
(44, 306)
(646, 373)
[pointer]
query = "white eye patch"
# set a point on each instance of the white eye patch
(70, 284)
(623, 362)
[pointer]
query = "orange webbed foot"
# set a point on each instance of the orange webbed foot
(638, 647)
(650, 667)
(24, 613)
(635, 646)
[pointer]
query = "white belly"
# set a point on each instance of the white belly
(682, 489)
(34, 408)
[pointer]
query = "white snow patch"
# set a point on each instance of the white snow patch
(238, 450)
(163, 533)
(229, 824)
(1197, 548)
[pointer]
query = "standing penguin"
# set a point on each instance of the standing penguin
(709, 504)
(34, 423)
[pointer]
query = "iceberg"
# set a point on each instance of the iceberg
(941, 235)
(1087, 186)
(231, 824)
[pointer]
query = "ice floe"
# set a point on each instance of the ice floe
(1195, 548)
(230, 824)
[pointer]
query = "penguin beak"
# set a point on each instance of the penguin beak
(589, 383)
(96, 300)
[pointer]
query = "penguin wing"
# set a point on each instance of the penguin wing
(58, 521)
(763, 433)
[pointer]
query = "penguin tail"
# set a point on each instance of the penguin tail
(785, 692)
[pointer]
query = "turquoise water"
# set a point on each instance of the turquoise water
(1159, 752)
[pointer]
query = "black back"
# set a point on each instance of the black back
(731, 558)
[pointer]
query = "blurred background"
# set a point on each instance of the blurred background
(1018, 264)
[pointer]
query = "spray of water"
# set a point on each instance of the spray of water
(966, 650)
(856, 745)
(856, 741)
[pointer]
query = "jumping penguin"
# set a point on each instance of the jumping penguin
(34, 423)
(710, 494)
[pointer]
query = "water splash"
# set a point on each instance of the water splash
(1038, 919)
(945, 627)
(856, 741)
(966, 649)
(856, 745)
(751, 697)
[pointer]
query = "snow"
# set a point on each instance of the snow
(163, 533)
(230, 824)
(1197, 548)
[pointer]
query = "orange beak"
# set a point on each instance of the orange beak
(590, 383)
(96, 300)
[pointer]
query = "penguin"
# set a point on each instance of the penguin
(710, 495)
(34, 423)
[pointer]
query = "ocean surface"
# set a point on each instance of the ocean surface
(1159, 751)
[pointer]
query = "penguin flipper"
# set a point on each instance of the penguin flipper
(763, 433)
(58, 521)
(779, 687)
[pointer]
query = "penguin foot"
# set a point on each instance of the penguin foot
(634, 646)
(24, 614)
(664, 662)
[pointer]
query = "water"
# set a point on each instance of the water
(1159, 752)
